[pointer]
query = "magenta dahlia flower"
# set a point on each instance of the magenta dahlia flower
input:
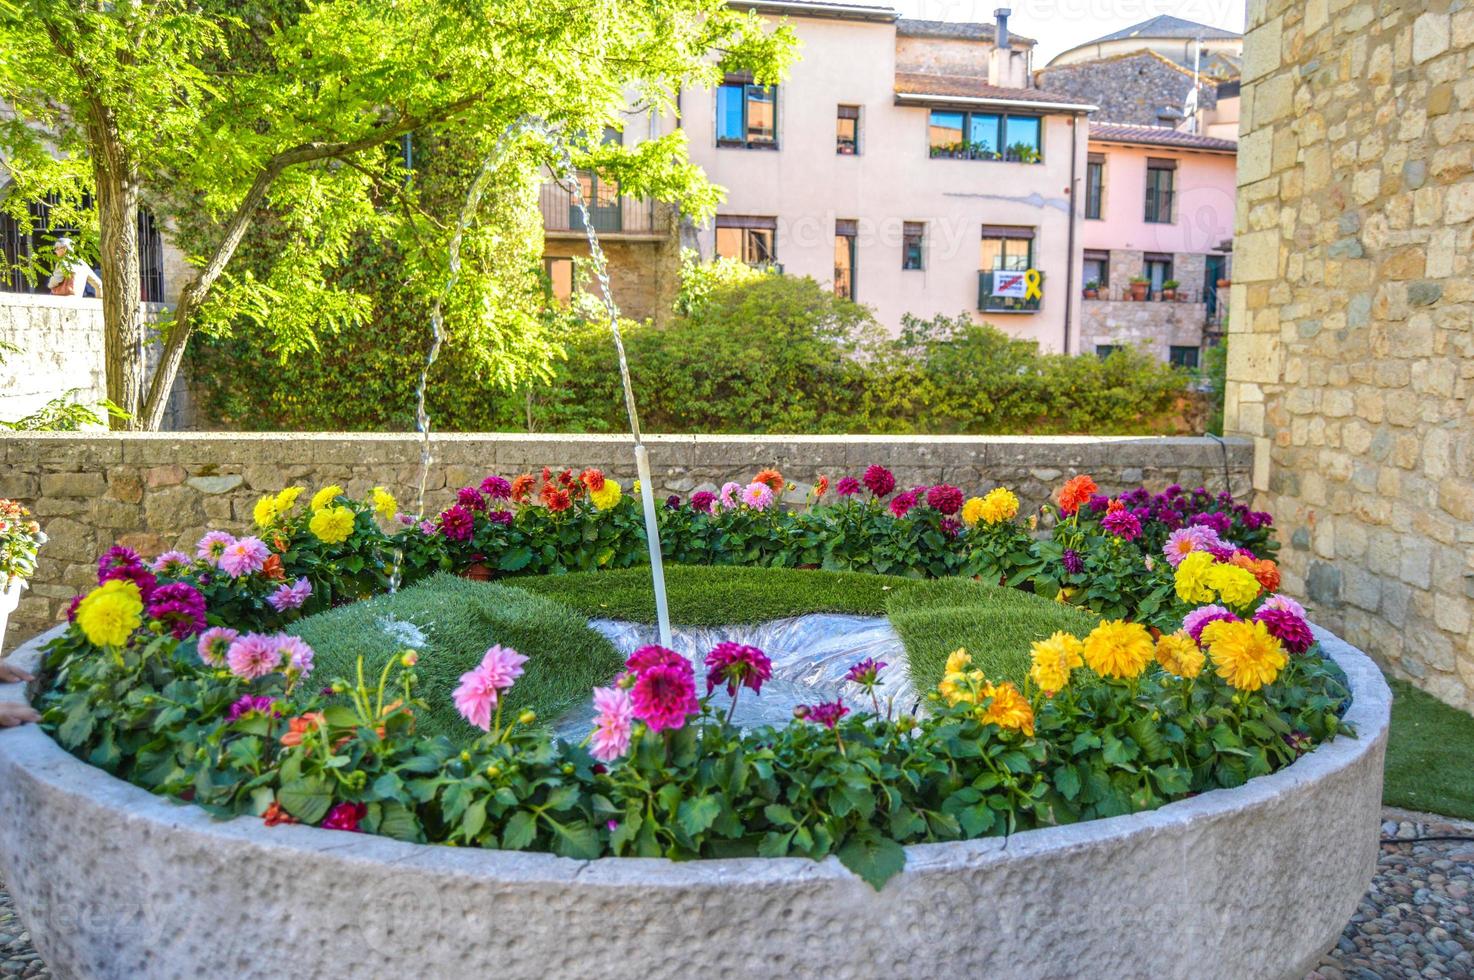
(702, 501)
(1195, 621)
(117, 557)
(345, 816)
(945, 498)
(1288, 628)
(902, 503)
(457, 522)
(1123, 524)
(253, 704)
(826, 713)
(652, 656)
(866, 673)
(737, 665)
(1072, 562)
(180, 607)
(1278, 601)
(137, 573)
(879, 480)
(847, 487)
(496, 487)
(664, 696)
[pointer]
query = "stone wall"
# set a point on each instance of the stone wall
(644, 270)
(1155, 327)
(1351, 353)
(156, 491)
(1130, 88)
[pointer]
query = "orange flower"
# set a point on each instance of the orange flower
(273, 569)
(522, 487)
(772, 478)
(275, 815)
(1266, 572)
(299, 727)
(822, 487)
(1114, 505)
(555, 499)
(593, 479)
(1076, 491)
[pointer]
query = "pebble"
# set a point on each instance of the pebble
(1417, 919)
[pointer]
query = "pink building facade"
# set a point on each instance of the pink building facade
(1157, 240)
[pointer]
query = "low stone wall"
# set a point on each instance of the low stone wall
(152, 492)
(1255, 881)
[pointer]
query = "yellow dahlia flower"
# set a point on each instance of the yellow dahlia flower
(1053, 661)
(1117, 648)
(111, 612)
(265, 511)
(972, 511)
(1191, 578)
(1245, 654)
(1007, 708)
(1235, 586)
(287, 499)
(958, 660)
(959, 684)
(332, 524)
(999, 504)
(1179, 655)
(384, 503)
(606, 496)
(326, 496)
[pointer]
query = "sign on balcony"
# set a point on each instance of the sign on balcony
(1010, 291)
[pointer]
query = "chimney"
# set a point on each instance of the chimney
(1006, 67)
(1002, 33)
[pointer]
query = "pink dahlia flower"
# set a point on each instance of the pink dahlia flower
(245, 556)
(616, 715)
(653, 656)
(170, 563)
(213, 545)
(665, 695)
(728, 496)
(847, 487)
(214, 643)
(1284, 602)
(737, 665)
(902, 503)
(480, 690)
(253, 656)
(290, 596)
(758, 496)
(826, 713)
(293, 653)
(945, 498)
(1195, 621)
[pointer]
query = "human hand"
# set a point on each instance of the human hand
(10, 674)
(12, 714)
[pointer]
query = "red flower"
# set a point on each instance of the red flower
(822, 487)
(772, 478)
(272, 569)
(522, 487)
(1076, 491)
(593, 479)
(555, 499)
(345, 816)
(275, 815)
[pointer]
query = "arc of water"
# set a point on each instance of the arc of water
(568, 178)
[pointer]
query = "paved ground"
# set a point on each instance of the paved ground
(1416, 921)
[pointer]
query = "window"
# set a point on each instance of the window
(1094, 185)
(1183, 357)
(1097, 268)
(1008, 248)
(22, 250)
(747, 114)
(845, 265)
(913, 245)
(559, 269)
(847, 130)
(1157, 267)
(1104, 351)
(750, 240)
(985, 136)
(1159, 175)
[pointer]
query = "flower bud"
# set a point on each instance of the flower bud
(527, 717)
(409, 658)
(801, 712)
(465, 757)
(493, 771)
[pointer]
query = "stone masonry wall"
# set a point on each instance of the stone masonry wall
(157, 491)
(1155, 327)
(1351, 351)
(1130, 88)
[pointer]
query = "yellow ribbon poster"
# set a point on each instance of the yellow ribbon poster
(1032, 279)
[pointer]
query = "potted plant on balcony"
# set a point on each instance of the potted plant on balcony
(1139, 287)
(1224, 283)
(1092, 289)
(20, 537)
(1169, 289)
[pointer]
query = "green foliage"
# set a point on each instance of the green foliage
(1215, 383)
(66, 414)
(1430, 754)
(752, 352)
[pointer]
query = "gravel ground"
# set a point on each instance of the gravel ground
(1417, 920)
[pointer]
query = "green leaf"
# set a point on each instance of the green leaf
(308, 798)
(874, 858)
(519, 831)
(1067, 781)
(515, 559)
(473, 819)
(579, 841)
(697, 814)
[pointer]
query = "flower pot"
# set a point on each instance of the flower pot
(1091, 294)
(1169, 294)
(477, 572)
(1139, 290)
(9, 599)
(1224, 283)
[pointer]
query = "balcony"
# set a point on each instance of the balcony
(612, 214)
(988, 303)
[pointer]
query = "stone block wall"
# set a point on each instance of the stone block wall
(1129, 88)
(152, 492)
(1155, 327)
(1351, 344)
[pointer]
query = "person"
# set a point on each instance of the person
(72, 276)
(12, 714)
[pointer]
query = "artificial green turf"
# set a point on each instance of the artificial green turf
(717, 595)
(1430, 755)
(995, 625)
(460, 619)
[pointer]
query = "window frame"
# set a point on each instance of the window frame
(747, 87)
(1102, 257)
(549, 261)
(841, 117)
(1156, 196)
(1174, 350)
(965, 150)
(753, 228)
(1095, 186)
(913, 235)
(846, 231)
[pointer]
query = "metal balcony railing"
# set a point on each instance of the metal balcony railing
(988, 303)
(610, 212)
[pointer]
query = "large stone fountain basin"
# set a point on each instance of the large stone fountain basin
(1252, 882)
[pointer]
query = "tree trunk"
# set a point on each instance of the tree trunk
(122, 317)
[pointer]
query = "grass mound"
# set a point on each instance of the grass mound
(995, 624)
(546, 619)
(459, 620)
(1430, 754)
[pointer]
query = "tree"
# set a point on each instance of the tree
(218, 109)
